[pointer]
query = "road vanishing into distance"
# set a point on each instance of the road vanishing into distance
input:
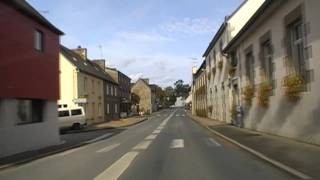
(168, 146)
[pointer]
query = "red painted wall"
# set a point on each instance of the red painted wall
(25, 72)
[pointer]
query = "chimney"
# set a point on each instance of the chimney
(100, 62)
(81, 51)
(194, 69)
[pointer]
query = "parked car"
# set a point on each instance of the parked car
(71, 118)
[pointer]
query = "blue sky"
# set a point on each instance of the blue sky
(156, 39)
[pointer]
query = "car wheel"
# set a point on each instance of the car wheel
(76, 126)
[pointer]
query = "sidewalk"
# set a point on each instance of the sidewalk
(304, 158)
(120, 123)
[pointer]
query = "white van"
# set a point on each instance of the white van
(71, 117)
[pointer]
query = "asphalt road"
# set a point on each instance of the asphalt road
(167, 146)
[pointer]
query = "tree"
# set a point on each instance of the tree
(170, 97)
(181, 89)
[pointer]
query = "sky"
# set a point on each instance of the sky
(156, 39)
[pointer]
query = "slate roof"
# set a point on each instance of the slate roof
(85, 65)
(24, 7)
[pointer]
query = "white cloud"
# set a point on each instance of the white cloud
(189, 26)
(144, 37)
(135, 77)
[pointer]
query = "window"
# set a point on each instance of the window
(38, 41)
(266, 60)
(64, 113)
(107, 89)
(116, 108)
(115, 90)
(92, 82)
(29, 111)
(296, 46)
(250, 67)
(111, 87)
(99, 109)
(59, 106)
(65, 105)
(85, 84)
(75, 112)
(108, 109)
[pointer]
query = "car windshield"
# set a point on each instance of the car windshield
(159, 89)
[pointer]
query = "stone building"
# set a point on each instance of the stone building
(219, 69)
(199, 91)
(146, 95)
(276, 56)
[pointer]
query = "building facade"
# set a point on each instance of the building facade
(124, 90)
(142, 89)
(199, 91)
(219, 70)
(29, 76)
(82, 83)
(277, 61)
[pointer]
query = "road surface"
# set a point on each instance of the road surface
(168, 146)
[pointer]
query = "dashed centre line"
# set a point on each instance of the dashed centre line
(108, 148)
(177, 143)
(156, 131)
(142, 145)
(151, 137)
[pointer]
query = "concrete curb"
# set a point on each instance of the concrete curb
(258, 154)
(24, 161)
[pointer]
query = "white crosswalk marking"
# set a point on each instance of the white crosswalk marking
(143, 145)
(108, 148)
(177, 143)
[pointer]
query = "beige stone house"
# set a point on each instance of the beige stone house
(82, 83)
(199, 91)
(142, 89)
(277, 56)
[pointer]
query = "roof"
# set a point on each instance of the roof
(203, 66)
(141, 80)
(24, 7)
(250, 22)
(114, 69)
(215, 38)
(85, 65)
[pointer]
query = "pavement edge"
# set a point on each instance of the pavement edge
(256, 153)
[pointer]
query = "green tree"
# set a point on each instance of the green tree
(181, 89)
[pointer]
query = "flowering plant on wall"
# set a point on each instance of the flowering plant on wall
(233, 111)
(220, 64)
(248, 93)
(264, 90)
(293, 85)
(210, 108)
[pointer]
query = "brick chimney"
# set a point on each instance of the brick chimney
(100, 62)
(81, 51)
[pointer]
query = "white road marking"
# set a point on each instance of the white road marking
(177, 115)
(98, 138)
(213, 142)
(117, 168)
(108, 148)
(70, 151)
(183, 115)
(160, 128)
(177, 143)
(156, 131)
(151, 137)
(142, 145)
